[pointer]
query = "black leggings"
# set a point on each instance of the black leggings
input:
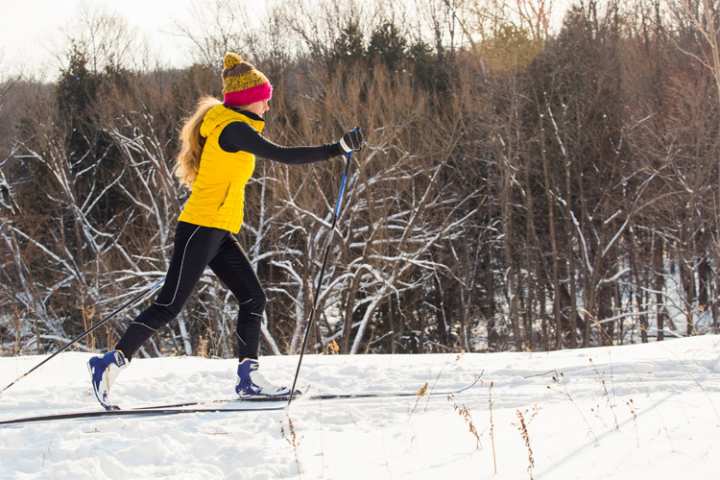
(195, 248)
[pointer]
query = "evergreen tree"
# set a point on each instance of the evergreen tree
(388, 46)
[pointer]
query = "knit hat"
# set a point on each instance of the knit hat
(243, 84)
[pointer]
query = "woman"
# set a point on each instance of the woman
(217, 158)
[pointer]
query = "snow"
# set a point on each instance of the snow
(637, 411)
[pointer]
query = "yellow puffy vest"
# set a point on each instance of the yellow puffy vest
(218, 192)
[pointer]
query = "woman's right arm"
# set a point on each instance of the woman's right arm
(238, 136)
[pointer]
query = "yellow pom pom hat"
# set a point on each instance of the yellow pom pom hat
(243, 84)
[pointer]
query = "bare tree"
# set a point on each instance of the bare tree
(702, 15)
(108, 39)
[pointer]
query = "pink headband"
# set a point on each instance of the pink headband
(249, 95)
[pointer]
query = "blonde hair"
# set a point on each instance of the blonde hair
(187, 162)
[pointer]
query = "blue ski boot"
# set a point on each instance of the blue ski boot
(251, 382)
(104, 370)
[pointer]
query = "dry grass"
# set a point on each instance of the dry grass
(492, 427)
(464, 412)
(558, 380)
(606, 393)
(291, 436)
(522, 427)
(333, 348)
(202, 348)
(633, 410)
(421, 392)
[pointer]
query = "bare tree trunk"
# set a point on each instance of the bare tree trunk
(543, 317)
(490, 307)
(641, 302)
(553, 245)
(619, 309)
(687, 277)
(184, 335)
(704, 283)
(393, 325)
(639, 285)
(659, 287)
(604, 307)
(533, 246)
(513, 282)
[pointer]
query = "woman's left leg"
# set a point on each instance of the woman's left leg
(233, 268)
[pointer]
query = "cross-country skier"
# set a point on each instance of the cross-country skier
(217, 158)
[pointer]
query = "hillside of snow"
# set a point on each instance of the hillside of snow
(631, 412)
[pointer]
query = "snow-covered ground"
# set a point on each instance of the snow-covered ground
(633, 412)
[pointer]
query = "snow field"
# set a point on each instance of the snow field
(638, 411)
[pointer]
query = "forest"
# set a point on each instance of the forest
(526, 185)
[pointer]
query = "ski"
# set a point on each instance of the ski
(138, 412)
(322, 396)
(257, 404)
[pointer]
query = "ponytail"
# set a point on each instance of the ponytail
(188, 160)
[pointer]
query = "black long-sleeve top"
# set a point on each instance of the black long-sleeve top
(238, 136)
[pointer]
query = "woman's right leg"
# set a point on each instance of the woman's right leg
(194, 247)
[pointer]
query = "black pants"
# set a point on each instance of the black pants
(195, 248)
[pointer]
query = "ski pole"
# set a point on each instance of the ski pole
(336, 214)
(87, 332)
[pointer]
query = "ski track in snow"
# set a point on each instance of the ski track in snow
(637, 411)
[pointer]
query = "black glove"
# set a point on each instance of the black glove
(352, 140)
